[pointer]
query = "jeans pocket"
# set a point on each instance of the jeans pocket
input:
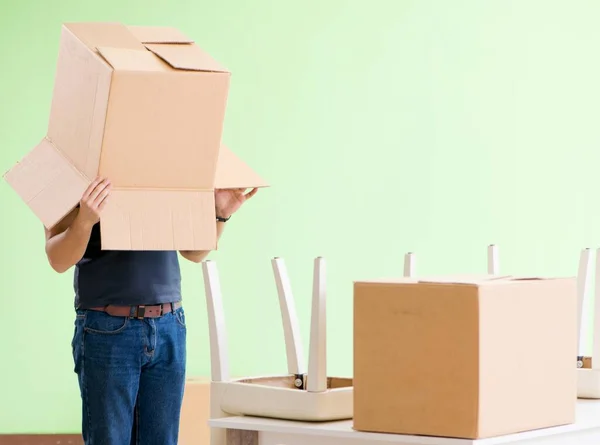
(180, 317)
(97, 322)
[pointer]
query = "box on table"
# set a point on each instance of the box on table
(465, 357)
(145, 107)
(195, 412)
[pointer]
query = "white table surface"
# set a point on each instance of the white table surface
(586, 430)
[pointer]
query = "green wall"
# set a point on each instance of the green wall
(383, 126)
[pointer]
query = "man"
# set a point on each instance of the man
(129, 345)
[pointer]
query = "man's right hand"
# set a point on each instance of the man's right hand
(93, 201)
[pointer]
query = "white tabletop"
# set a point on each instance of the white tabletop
(588, 418)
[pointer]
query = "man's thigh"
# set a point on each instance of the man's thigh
(108, 356)
(162, 381)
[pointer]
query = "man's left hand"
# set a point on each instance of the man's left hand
(228, 201)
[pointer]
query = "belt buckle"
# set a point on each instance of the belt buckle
(142, 309)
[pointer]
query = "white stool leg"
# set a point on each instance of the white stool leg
(409, 265)
(583, 273)
(317, 357)
(291, 327)
(596, 324)
(493, 260)
(219, 358)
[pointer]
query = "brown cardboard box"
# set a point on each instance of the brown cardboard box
(465, 357)
(195, 412)
(145, 107)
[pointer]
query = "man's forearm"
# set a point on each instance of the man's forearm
(197, 256)
(67, 248)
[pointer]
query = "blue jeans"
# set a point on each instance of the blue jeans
(131, 377)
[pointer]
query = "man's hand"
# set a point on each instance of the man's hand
(93, 201)
(228, 201)
(66, 242)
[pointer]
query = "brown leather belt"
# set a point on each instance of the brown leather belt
(139, 312)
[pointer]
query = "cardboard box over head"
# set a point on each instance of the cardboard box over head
(144, 107)
(464, 356)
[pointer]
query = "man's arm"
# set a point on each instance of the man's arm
(197, 256)
(67, 241)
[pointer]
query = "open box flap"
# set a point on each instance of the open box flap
(186, 57)
(158, 34)
(48, 183)
(159, 220)
(232, 172)
(132, 60)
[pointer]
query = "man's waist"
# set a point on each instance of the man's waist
(138, 311)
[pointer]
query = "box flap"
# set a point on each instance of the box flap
(159, 220)
(115, 35)
(48, 183)
(158, 34)
(233, 173)
(186, 57)
(79, 102)
(132, 60)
